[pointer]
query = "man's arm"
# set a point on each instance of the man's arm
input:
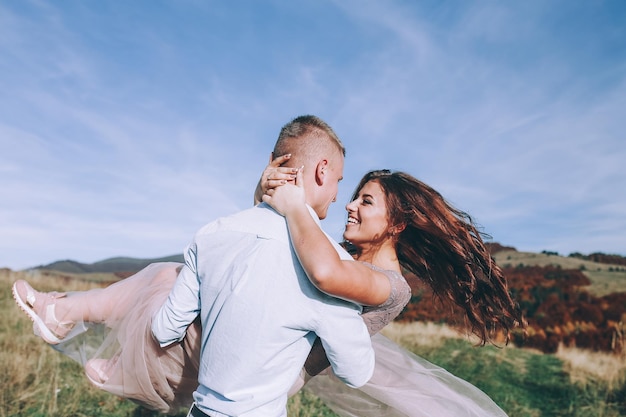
(317, 361)
(182, 306)
(347, 344)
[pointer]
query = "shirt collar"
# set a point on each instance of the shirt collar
(311, 211)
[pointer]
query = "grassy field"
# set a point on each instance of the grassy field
(38, 381)
(525, 383)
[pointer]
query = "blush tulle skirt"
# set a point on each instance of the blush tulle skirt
(164, 379)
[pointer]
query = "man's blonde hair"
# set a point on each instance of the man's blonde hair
(307, 138)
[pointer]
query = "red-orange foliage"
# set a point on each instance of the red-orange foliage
(555, 303)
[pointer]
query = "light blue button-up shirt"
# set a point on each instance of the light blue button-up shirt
(260, 315)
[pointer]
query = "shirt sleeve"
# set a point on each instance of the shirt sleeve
(182, 306)
(347, 344)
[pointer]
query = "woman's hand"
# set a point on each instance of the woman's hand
(274, 176)
(287, 197)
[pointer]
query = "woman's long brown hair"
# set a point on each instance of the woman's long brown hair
(442, 247)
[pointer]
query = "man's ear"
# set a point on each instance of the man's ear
(320, 171)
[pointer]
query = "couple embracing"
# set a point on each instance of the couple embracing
(265, 300)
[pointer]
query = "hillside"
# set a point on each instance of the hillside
(575, 300)
(566, 300)
(606, 278)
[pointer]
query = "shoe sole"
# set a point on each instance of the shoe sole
(99, 383)
(94, 382)
(44, 332)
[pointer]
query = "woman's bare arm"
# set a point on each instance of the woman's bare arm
(326, 270)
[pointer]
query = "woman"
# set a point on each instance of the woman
(397, 221)
(394, 222)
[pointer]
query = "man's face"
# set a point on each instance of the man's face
(328, 192)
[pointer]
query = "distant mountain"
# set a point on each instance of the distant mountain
(111, 265)
(503, 255)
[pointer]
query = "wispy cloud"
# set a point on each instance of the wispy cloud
(122, 139)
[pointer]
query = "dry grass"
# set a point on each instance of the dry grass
(421, 334)
(36, 380)
(56, 281)
(588, 367)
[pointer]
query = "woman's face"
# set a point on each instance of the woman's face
(367, 216)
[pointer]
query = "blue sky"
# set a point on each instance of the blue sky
(126, 126)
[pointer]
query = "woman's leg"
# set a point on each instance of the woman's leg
(55, 314)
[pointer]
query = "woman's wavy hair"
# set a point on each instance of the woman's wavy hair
(442, 246)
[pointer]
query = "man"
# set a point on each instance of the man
(259, 312)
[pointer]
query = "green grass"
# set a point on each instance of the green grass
(523, 383)
(38, 381)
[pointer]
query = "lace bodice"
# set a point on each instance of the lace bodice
(378, 317)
